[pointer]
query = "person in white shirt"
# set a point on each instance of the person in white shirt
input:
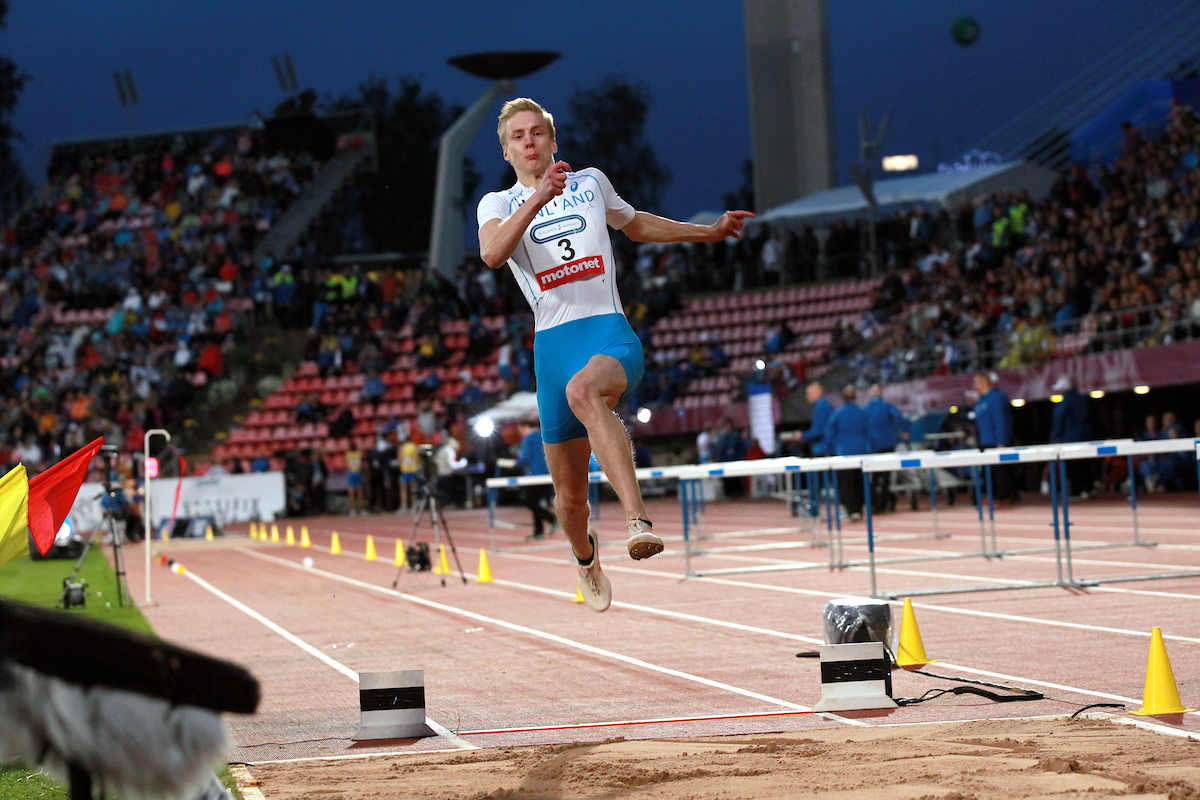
(551, 228)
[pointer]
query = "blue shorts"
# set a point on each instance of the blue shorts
(354, 480)
(408, 477)
(562, 351)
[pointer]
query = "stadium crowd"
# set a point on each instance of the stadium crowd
(127, 282)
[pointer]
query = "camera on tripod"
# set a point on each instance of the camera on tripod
(427, 474)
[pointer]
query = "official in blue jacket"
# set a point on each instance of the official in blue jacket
(1070, 424)
(822, 412)
(847, 435)
(994, 428)
(884, 425)
(538, 499)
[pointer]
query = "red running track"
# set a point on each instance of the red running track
(517, 661)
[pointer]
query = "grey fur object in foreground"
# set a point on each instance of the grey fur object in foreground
(141, 747)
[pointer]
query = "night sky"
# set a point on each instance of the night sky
(207, 63)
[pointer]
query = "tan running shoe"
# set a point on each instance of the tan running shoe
(593, 584)
(642, 541)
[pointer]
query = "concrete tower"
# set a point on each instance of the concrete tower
(791, 100)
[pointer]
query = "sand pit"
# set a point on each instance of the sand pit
(1030, 758)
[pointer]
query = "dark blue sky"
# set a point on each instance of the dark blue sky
(202, 63)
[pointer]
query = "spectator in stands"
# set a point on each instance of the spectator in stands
(1070, 424)
(342, 424)
(309, 409)
(373, 389)
(884, 426)
(538, 499)
(471, 398)
(849, 435)
(772, 256)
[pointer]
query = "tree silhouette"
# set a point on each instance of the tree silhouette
(397, 201)
(606, 130)
(14, 187)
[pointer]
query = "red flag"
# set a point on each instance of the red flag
(52, 494)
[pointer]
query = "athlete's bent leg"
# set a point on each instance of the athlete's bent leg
(592, 394)
(568, 463)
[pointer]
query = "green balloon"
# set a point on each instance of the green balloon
(965, 31)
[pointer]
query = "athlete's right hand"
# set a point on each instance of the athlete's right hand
(553, 182)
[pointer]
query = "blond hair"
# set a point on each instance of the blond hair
(514, 107)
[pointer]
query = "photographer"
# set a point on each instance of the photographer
(450, 484)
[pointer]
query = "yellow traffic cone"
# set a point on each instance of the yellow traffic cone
(274, 532)
(578, 594)
(1161, 695)
(370, 556)
(485, 572)
(291, 538)
(304, 540)
(911, 652)
(335, 547)
(442, 567)
(208, 534)
(401, 560)
(254, 531)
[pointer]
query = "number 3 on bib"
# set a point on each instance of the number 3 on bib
(568, 253)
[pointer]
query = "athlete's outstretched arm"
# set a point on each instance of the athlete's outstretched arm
(499, 239)
(646, 227)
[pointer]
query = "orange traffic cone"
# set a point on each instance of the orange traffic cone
(370, 555)
(1161, 695)
(335, 547)
(485, 572)
(911, 652)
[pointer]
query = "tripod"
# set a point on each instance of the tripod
(429, 502)
(73, 593)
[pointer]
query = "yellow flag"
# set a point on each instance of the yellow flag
(14, 514)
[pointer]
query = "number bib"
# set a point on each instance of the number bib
(568, 244)
(564, 265)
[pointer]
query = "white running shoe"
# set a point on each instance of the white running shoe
(642, 541)
(593, 584)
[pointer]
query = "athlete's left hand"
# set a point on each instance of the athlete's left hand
(730, 224)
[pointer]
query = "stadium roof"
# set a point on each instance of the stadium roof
(933, 189)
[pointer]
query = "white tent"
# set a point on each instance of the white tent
(932, 189)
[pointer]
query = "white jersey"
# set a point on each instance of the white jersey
(564, 262)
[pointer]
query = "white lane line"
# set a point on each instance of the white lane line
(1145, 724)
(637, 662)
(768, 632)
(442, 731)
(1076, 625)
(720, 623)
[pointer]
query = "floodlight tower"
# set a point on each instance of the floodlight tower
(445, 242)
